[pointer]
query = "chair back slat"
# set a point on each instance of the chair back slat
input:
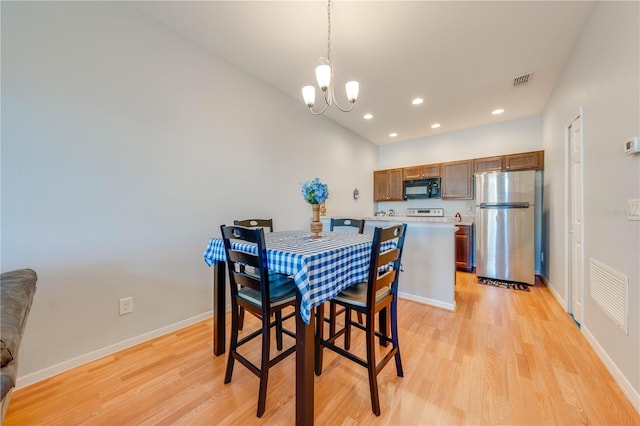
(244, 258)
(388, 257)
(247, 280)
(385, 279)
(255, 223)
(345, 222)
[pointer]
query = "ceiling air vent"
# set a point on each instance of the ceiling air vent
(522, 80)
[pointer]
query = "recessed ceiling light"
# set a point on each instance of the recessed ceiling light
(417, 101)
(367, 116)
(435, 125)
(393, 135)
(497, 111)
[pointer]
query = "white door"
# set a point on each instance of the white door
(576, 273)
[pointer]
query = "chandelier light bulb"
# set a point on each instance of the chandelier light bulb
(352, 87)
(323, 75)
(309, 95)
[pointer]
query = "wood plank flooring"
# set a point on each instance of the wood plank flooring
(504, 357)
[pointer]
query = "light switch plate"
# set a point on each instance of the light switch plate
(633, 209)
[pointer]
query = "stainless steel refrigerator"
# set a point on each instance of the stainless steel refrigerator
(505, 226)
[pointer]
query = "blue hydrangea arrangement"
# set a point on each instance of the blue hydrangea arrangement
(314, 191)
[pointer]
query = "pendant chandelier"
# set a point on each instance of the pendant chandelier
(324, 76)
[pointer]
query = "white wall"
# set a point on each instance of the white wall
(124, 148)
(602, 77)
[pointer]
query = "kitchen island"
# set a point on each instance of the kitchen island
(428, 260)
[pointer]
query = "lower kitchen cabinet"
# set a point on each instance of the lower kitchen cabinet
(464, 248)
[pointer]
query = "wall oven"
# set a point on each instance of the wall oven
(421, 188)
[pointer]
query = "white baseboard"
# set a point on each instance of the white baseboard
(555, 294)
(621, 380)
(427, 301)
(45, 373)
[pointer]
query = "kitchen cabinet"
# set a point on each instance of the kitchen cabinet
(524, 161)
(387, 185)
(488, 164)
(457, 180)
(421, 172)
(464, 247)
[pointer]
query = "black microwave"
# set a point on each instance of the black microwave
(421, 188)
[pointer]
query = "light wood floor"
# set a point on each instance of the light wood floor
(505, 357)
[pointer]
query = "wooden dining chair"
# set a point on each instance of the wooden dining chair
(379, 292)
(339, 224)
(255, 223)
(350, 223)
(260, 294)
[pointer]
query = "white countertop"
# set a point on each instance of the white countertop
(466, 220)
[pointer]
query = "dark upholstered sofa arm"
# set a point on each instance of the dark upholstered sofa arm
(16, 295)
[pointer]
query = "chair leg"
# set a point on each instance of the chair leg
(371, 365)
(360, 320)
(394, 337)
(233, 344)
(347, 328)
(279, 330)
(320, 336)
(241, 319)
(264, 365)
(332, 319)
(383, 318)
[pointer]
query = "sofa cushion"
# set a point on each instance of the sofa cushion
(5, 354)
(18, 288)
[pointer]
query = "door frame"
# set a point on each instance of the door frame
(567, 217)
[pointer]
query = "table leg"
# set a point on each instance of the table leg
(305, 342)
(219, 307)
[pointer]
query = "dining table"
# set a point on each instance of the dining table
(321, 268)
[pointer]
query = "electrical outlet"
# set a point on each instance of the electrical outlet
(126, 305)
(542, 257)
(633, 209)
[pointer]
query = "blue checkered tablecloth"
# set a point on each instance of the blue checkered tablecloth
(321, 267)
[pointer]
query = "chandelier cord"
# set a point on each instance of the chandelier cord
(329, 31)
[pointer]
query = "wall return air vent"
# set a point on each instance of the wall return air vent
(610, 291)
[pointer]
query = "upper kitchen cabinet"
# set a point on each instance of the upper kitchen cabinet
(457, 180)
(503, 163)
(488, 164)
(421, 172)
(387, 185)
(524, 161)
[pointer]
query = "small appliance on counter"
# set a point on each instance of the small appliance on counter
(425, 212)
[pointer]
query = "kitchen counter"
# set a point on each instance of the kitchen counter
(466, 220)
(428, 259)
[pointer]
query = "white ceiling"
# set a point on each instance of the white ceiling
(460, 56)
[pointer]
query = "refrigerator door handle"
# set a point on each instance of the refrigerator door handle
(504, 205)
